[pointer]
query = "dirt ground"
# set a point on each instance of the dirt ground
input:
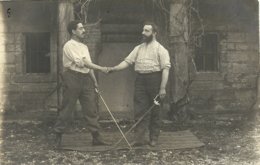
(227, 143)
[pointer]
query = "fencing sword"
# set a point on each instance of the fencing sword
(156, 102)
(123, 135)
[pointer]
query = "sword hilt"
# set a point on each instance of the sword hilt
(96, 90)
(157, 100)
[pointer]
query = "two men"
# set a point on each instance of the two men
(152, 65)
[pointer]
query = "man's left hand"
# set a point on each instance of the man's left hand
(162, 93)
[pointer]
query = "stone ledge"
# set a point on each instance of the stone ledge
(121, 28)
(34, 78)
(209, 76)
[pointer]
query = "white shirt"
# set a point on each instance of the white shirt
(148, 58)
(73, 54)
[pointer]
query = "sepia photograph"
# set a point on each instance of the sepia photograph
(129, 82)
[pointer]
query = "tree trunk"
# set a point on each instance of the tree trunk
(65, 15)
(179, 49)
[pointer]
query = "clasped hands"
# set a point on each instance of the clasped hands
(107, 69)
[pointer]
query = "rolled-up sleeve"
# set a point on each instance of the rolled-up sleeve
(130, 59)
(164, 58)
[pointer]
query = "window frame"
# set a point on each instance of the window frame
(26, 55)
(22, 77)
(217, 53)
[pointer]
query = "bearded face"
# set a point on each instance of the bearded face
(148, 33)
(148, 38)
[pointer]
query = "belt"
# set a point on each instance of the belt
(149, 73)
(78, 73)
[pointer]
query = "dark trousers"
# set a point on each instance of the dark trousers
(147, 86)
(78, 86)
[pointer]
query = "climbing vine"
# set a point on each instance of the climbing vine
(189, 26)
(81, 9)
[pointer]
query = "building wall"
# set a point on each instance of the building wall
(233, 88)
(21, 91)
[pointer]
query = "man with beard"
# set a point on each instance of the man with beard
(79, 83)
(152, 64)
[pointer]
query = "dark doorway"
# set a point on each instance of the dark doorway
(121, 30)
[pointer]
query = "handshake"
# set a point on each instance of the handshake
(107, 69)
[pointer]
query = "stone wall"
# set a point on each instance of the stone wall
(21, 91)
(233, 88)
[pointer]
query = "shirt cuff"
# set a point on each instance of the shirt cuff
(166, 67)
(128, 61)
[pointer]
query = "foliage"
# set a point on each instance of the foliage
(81, 9)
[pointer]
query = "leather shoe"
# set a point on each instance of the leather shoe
(98, 140)
(153, 143)
(137, 144)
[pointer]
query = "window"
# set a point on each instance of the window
(37, 52)
(206, 54)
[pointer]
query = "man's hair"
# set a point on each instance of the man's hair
(72, 26)
(154, 26)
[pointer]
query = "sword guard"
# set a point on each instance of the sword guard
(157, 100)
(96, 90)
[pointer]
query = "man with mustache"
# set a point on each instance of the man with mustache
(79, 84)
(152, 64)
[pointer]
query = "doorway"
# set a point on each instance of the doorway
(117, 88)
(121, 29)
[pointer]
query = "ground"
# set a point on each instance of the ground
(227, 143)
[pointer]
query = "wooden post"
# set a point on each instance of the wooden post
(178, 49)
(65, 15)
(257, 104)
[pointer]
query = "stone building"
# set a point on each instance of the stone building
(28, 55)
(225, 52)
